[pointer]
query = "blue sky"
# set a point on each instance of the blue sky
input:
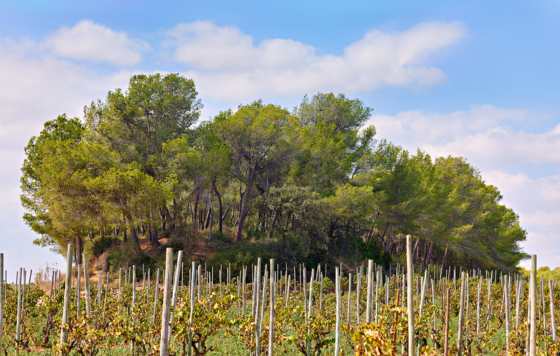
(477, 79)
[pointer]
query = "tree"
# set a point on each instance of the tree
(258, 137)
(330, 140)
(60, 131)
(314, 184)
(136, 123)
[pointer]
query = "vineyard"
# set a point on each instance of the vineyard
(272, 309)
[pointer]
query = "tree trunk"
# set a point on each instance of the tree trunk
(244, 204)
(195, 210)
(220, 207)
(79, 250)
(153, 236)
(134, 240)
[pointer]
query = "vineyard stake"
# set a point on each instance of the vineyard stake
(375, 295)
(337, 322)
(423, 293)
(287, 291)
(199, 281)
(168, 275)
(156, 292)
(86, 282)
(19, 281)
(309, 306)
(99, 287)
(489, 309)
(533, 307)
(78, 284)
(368, 295)
(358, 285)
(551, 301)
(67, 288)
(467, 303)
(303, 286)
(433, 301)
(133, 286)
(191, 304)
(263, 299)
(257, 303)
(2, 291)
(543, 306)
(253, 289)
(178, 269)
(271, 315)
(478, 288)
(518, 301)
(349, 293)
(320, 290)
(461, 312)
(409, 296)
(147, 292)
(243, 282)
(506, 307)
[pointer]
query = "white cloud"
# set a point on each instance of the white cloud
(483, 134)
(229, 65)
(93, 42)
(36, 87)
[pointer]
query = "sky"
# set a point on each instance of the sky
(477, 79)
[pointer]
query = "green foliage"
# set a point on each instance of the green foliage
(312, 185)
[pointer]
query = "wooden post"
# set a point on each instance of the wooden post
(149, 287)
(320, 275)
(368, 295)
(433, 289)
(263, 299)
(310, 303)
(133, 286)
(533, 307)
(349, 293)
(2, 291)
(552, 320)
(543, 306)
(257, 284)
(99, 287)
(506, 309)
(358, 285)
(67, 290)
(253, 289)
(156, 292)
(446, 324)
(86, 282)
(78, 283)
(376, 294)
(488, 297)
(409, 296)
(178, 268)
(243, 286)
(304, 289)
(461, 316)
(199, 281)
(119, 287)
(337, 322)
(19, 281)
(479, 287)
(518, 301)
(423, 293)
(163, 342)
(191, 304)
(271, 313)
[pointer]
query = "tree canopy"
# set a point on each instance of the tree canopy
(312, 184)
